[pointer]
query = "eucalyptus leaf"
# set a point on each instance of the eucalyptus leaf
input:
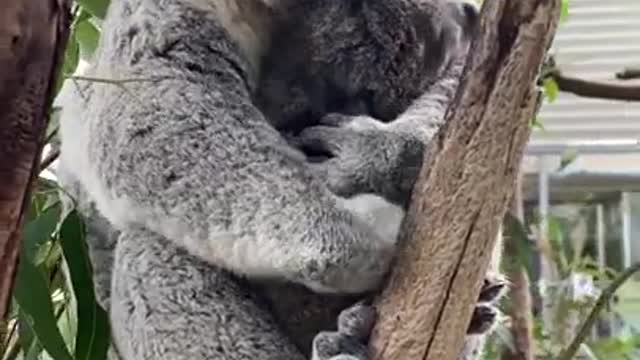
(97, 8)
(92, 338)
(32, 295)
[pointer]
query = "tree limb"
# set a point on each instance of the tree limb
(629, 73)
(465, 185)
(597, 89)
(33, 36)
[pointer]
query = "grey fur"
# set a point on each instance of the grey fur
(193, 180)
(370, 57)
(177, 162)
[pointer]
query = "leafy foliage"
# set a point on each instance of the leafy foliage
(54, 312)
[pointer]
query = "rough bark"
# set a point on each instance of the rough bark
(520, 306)
(33, 35)
(465, 186)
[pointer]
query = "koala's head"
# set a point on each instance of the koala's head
(380, 54)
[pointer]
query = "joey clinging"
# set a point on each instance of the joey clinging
(355, 57)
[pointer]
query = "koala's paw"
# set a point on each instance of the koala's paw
(486, 314)
(483, 319)
(350, 341)
(355, 123)
(493, 287)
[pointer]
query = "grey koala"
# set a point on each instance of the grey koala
(206, 196)
(359, 57)
(372, 157)
(209, 202)
(328, 70)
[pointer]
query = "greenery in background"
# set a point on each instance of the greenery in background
(54, 313)
(568, 257)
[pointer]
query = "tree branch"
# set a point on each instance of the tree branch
(33, 36)
(597, 89)
(464, 187)
(629, 73)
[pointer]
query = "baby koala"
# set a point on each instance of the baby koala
(369, 57)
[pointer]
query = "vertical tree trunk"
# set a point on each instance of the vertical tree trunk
(33, 35)
(465, 186)
(520, 305)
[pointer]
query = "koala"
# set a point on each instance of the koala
(208, 201)
(375, 153)
(205, 195)
(359, 57)
(369, 157)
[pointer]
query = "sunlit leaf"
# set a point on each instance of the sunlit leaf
(97, 8)
(551, 89)
(87, 37)
(564, 10)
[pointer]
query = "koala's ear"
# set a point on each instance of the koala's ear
(389, 22)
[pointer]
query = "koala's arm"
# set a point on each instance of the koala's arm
(190, 158)
(425, 115)
(370, 156)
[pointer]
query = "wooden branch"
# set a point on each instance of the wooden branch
(629, 73)
(33, 35)
(597, 89)
(464, 187)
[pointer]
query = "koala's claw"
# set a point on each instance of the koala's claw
(486, 313)
(350, 341)
(493, 288)
(483, 319)
(357, 321)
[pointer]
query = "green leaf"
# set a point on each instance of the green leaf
(92, 338)
(31, 348)
(34, 300)
(97, 8)
(536, 123)
(551, 89)
(568, 157)
(38, 231)
(564, 10)
(71, 57)
(87, 36)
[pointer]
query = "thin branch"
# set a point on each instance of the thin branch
(596, 89)
(602, 301)
(49, 159)
(629, 73)
(115, 81)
